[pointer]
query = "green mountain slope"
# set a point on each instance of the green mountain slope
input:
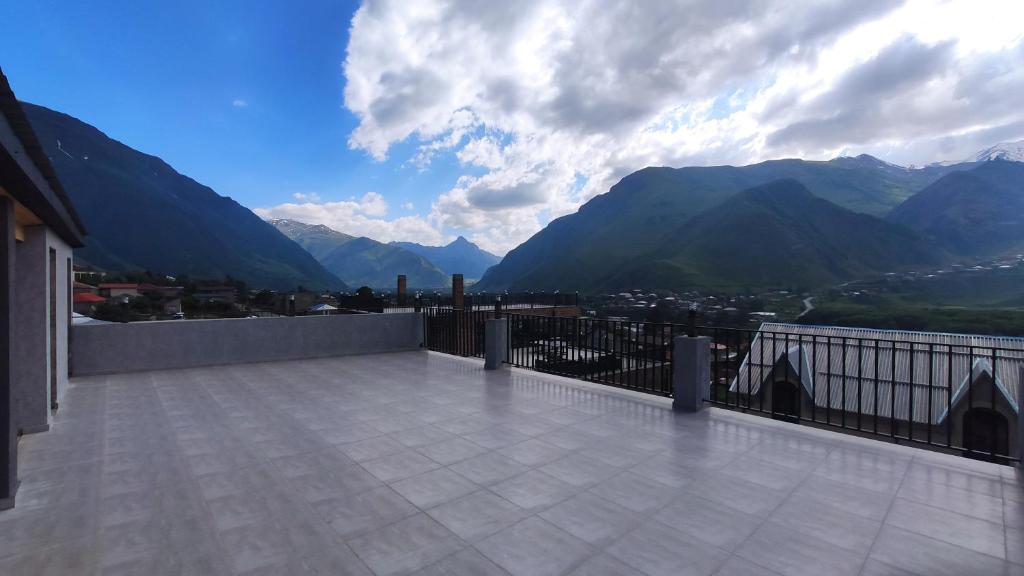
(978, 213)
(142, 214)
(362, 261)
(458, 257)
(777, 235)
(636, 217)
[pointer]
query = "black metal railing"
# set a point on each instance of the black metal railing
(452, 331)
(475, 301)
(955, 392)
(633, 355)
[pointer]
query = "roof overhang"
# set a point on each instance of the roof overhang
(28, 175)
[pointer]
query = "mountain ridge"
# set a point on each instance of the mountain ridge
(459, 256)
(144, 215)
(778, 235)
(635, 217)
(977, 213)
(360, 260)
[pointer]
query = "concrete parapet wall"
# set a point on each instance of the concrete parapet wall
(112, 348)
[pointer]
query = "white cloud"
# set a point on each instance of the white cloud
(408, 206)
(239, 103)
(362, 217)
(306, 197)
(547, 103)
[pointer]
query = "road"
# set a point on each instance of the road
(808, 305)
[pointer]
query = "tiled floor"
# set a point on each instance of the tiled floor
(424, 463)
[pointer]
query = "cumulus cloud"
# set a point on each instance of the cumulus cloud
(239, 103)
(546, 103)
(358, 217)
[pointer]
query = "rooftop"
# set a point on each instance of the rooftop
(422, 462)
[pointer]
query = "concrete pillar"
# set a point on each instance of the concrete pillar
(691, 372)
(458, 291)
(495, 343)
(402, 284)
(31, 345)
(8, 436)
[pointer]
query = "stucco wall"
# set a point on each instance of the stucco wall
(32, 326)
(111, 348)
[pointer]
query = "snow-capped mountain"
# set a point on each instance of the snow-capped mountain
(1010, 151)
(1013, 151)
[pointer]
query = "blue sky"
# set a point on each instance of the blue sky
(420, 120)
(163, 77)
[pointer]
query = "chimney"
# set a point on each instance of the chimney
(458, 289)
(401, 289)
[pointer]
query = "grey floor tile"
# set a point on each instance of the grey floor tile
(422, 435)
(405, 546)
(477, 515)
(951, 527)
(495, 437)
(791, 553)
(237, 510)
(964, 478)
(138, 478)
(635, 492)
(658, 550)
(922, 555)
(534, 547)
(451, 451)
(433, 488)
(534, 490)
(709, 522)
(466, 562)
(253, 546)
(666, 470)
(765, 473)
(533, 452)
(371, 448)
(621, 455)
(941, 495)
(570, 439)
(878, 472)
(400, 465)
(591, 518)
(605, 565)
(737, 493)
(847, 497)
(354, 514)
(736, 566)
(580, 470)
(489, 468)
(828, 523)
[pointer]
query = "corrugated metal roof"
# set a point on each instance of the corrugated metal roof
(883, 372)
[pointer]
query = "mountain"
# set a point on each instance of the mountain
(142, 214)
(317, 239)
(1012, 151)
(777, 235)
(459, 257)
(362, 261)
(638, 214)
(977, 213)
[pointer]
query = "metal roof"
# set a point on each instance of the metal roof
(883, 372)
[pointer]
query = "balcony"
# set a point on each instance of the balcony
(421, 462)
